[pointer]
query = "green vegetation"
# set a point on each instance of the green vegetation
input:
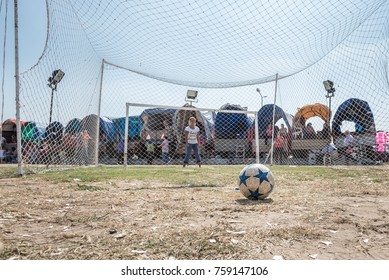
(89, 188)
(8, 171)
(207, 176)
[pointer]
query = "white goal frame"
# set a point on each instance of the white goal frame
(128, 105)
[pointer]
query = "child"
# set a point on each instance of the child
(192, 140)
(279, 148)
(165, 149)
(150, 151)
(269, 132)
(348, 146)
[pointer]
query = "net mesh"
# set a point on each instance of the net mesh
(264, 56)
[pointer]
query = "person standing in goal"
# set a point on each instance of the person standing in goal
(192, 141)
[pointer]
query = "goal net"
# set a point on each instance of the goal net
(266, 57)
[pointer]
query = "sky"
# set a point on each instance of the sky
(32, 37)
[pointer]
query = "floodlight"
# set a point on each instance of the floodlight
(191, 96)
(55, 78)
(329, 86)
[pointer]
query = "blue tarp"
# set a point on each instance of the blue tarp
(357, 111)
(230, 125)
(108, 127)
(134, 126)
(73, 126)
(54, 131)
(265, 117)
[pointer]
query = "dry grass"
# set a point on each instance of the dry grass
(171, 212)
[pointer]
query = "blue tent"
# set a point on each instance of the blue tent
(73, 126)
(54, 131)
(134, 126)
(357, 111)
(107, 126)
(230, 125)
(32, 131)
(265, 117)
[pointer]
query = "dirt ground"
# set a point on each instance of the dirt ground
(307, 217)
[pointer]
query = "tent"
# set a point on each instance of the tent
(107, 127)
(311, 110)
(73, 126)
(32, 131)
(9, 128)
(205, 121)
(230, 125)
(156, 122)
(134, 127)
(357, 111)
(265, 117)
(54, 131)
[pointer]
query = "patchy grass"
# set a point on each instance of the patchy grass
(171, 174)
(162, 212)
(89, 188)
(8, 171)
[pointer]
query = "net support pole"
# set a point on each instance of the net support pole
(274, 115)
(125, 152)
(256, 138)
(17, 92)
(98, 116)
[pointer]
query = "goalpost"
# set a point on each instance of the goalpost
(188, 109)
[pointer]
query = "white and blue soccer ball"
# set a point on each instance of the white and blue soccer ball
(256, 181)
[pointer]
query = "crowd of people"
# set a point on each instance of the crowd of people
(302, 131)
(281, 137)
(8, 154)
(75, 148)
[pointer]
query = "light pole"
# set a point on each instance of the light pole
(262, 96)
(54, 80)
(329, 87)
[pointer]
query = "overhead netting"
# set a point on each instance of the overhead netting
(268, 57)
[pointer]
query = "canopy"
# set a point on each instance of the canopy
(134, 127)
(265, 117)
(8, 128)
(230, 125)
(357, 111)
(73, 126)
(54, 131)
(32, 131)
(10, 125)
(309, 111)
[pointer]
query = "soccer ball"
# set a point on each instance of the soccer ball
(256, 181)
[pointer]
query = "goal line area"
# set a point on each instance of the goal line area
(155, 134)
